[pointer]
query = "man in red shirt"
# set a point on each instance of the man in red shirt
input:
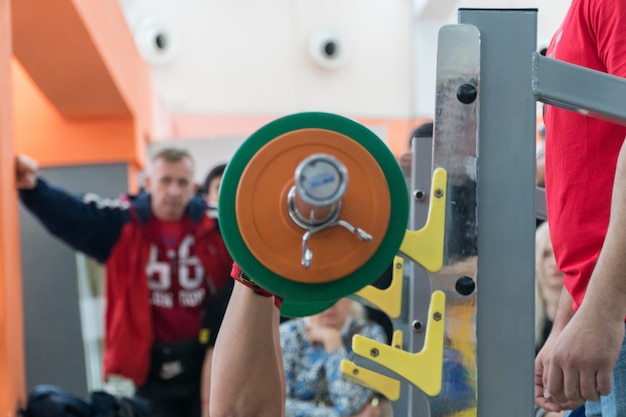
(584, 358)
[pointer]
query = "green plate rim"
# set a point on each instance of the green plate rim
(380, 260)
(292, 308)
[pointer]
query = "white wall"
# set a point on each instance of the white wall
(251, 57)
(431, 15)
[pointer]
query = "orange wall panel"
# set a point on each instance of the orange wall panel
(52, 139)
(83, 94)
(110, 33)
(54, 44)
(12, 383)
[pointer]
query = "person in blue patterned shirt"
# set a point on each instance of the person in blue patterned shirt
(312, 349)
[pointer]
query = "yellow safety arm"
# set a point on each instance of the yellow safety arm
(387, 386)
(422, 369)
(425, 246)
(388, 300)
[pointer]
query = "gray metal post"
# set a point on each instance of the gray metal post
(419, 288)
(506, 215)
(488, 145)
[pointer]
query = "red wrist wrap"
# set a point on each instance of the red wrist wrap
(237, 274)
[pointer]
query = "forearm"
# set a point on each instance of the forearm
(607, 287)
(205, 387)
(279, 356)
(564, 311)
(245, 364)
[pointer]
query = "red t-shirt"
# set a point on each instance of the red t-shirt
(177, 284)
(581, 151)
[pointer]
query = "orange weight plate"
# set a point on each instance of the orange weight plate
(276, 240)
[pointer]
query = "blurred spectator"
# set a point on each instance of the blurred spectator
(313, 348)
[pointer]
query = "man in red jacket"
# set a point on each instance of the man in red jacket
(164, 256)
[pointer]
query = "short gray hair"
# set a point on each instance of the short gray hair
(172, 154)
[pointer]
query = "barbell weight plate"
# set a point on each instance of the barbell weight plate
(253, 207)
(276, 240)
